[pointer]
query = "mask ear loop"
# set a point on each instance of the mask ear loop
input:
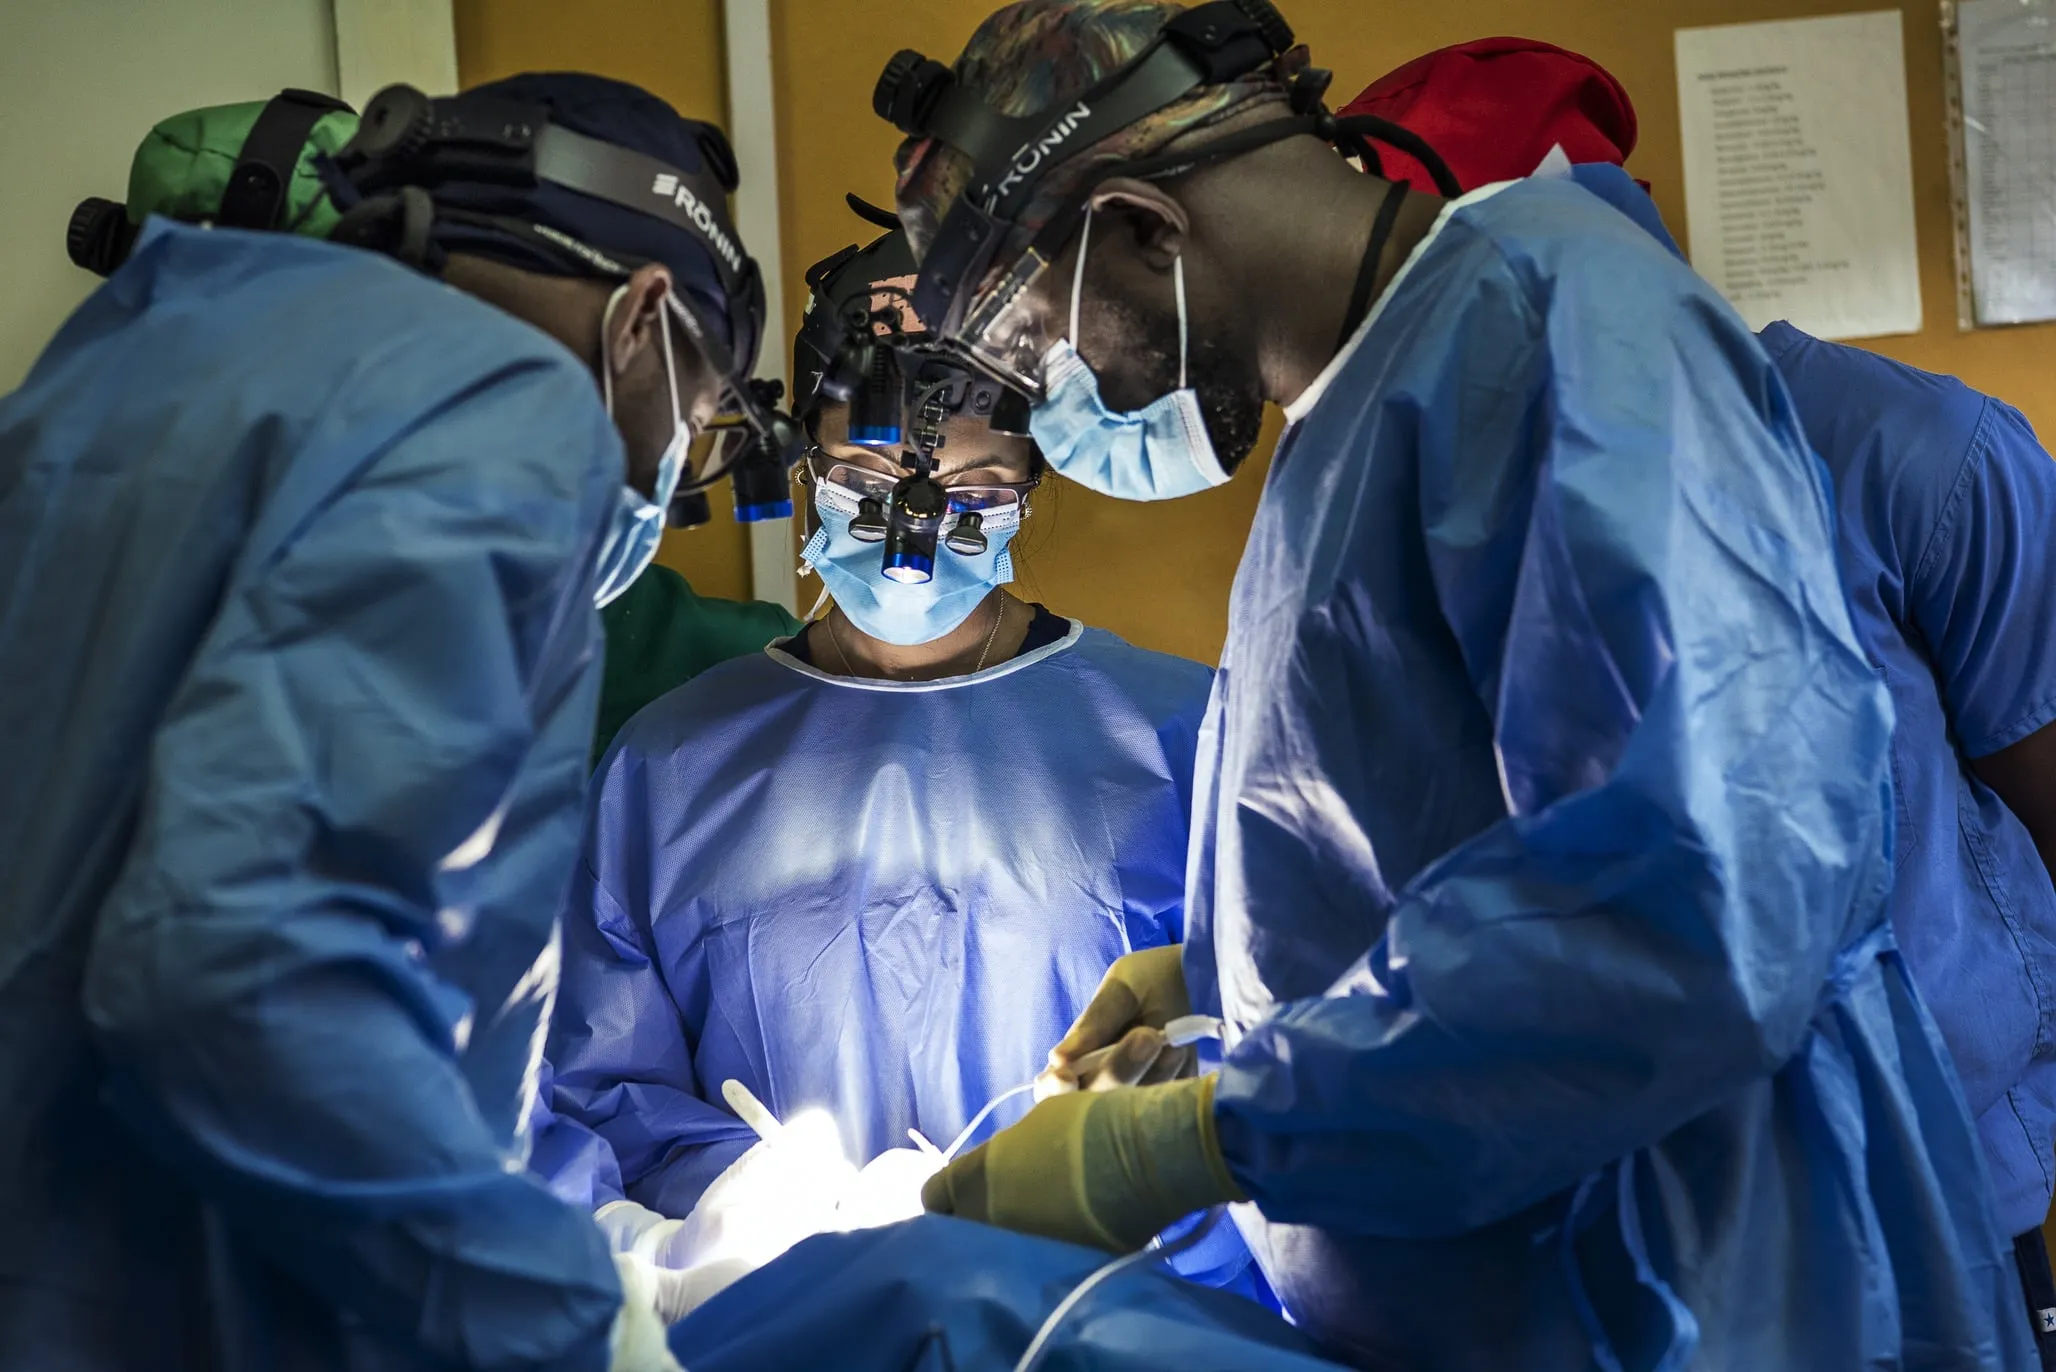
(607, 362)
(1078, 274)
(670, 362)
(1178, 285)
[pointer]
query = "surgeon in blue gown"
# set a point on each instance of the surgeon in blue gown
(875, 870)
(299, 553)
(1944, 501)
(1544, 820)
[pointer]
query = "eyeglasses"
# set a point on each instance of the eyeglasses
(860, 483)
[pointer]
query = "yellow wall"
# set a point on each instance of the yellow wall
(1160, 575)
(671, 48)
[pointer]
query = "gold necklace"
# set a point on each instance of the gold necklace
(836, 639)
(991, 636)
(997, 619)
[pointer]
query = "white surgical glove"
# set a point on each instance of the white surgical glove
(781, 1191)
(888, 1190)
(637, 1341)
(641, 1233)
(679, 1293)
(625, 1223)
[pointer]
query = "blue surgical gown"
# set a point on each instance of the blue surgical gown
(882, 899)
(1543, 841)
(300, 664)
(1944, 503)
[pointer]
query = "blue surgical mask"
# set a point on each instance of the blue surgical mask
(637, 526)
(895, 611)
(1159, 452)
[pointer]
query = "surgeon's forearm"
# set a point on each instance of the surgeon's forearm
(1359, 1116)
(1558, 995)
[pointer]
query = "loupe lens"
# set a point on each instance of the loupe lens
(966, 537)
(869, 525)
(689, 510)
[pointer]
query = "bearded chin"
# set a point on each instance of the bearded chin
(1230, 405)
(1234, 419)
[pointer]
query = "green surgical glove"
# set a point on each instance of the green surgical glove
(1110, 1169)
(1116, 1040)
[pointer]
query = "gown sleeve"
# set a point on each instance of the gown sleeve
(1983, 580)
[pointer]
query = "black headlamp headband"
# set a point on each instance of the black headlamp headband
(1049, 240)
(1208, 44)
(406, 139)
(408, 145)
(839, 312)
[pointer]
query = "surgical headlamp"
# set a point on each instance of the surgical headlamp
(972, 297)
(862, 346)
(408, 146)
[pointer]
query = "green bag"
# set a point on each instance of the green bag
(247, 166)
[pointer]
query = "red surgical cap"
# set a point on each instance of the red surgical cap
(1495, 107)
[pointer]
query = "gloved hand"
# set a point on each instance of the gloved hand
(677, 1294)
(1118, 1040)
(639, 1232)
(1107, 1168)
(782, 1190)
(636, 1343)
(888, 1190)
(625, 1224)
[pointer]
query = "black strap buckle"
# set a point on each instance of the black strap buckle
(1224, 40)
(908, 90)
(258, 188)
